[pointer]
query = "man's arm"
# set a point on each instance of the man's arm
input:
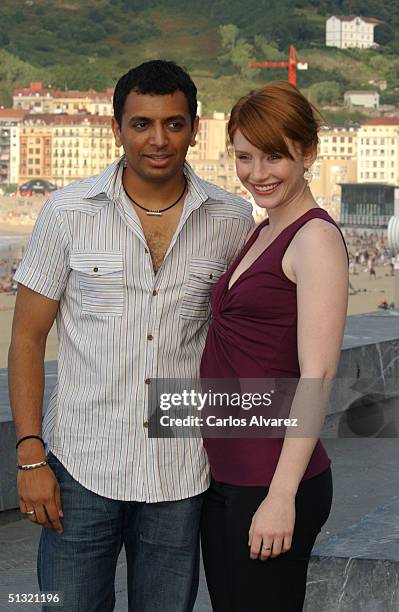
(38, 489)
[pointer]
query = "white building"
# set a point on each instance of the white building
(350, 31)
(211, 138)
(378, 151)
(9, 144)
(42, 100)
(336, 163)
(362, 99)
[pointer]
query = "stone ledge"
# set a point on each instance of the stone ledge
(357, 570)
(352, 585)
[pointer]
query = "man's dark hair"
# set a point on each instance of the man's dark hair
(156, 77)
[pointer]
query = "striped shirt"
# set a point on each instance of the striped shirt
(120, 325)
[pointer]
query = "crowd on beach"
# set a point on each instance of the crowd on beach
(369, 254)
(7, 271)
(368, 250)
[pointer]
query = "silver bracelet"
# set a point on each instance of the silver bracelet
(32, 466)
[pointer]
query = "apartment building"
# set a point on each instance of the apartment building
(211, 138)
(378, 151)
(9, 144)
(82, 146)
(336, 163)
(42, 100)
(35, 149)
(221, 172)
(64, 148)
(351, 31)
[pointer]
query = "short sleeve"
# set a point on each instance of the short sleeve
(45, 265)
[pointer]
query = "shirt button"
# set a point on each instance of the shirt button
(147, 381)
(95, 269)
(155, 292)
(150, 337)
(145, 424)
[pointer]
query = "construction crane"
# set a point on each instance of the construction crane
(292, 65)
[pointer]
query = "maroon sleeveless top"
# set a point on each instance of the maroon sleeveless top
(253, 334)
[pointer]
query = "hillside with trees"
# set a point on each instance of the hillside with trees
(83, 44)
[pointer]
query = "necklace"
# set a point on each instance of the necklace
(158, 213)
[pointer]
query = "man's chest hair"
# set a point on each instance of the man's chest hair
(158, 242)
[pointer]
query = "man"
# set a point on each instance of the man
(125, 262)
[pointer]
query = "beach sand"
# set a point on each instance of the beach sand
(372, 291)
(381, 288)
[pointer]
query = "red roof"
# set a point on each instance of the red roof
(383, 121)
(12, 113)
(352, 17)
(37, 89)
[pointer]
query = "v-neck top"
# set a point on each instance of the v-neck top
(253, 334)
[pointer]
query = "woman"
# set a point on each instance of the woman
(279, 312)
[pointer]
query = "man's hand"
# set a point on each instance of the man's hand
(39, 490)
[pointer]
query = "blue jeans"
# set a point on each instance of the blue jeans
(161, 542)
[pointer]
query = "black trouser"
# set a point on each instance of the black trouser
(238, 584)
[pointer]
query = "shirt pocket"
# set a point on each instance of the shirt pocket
(203, 274)
(100, 276)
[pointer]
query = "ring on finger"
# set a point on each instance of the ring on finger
(30, 513)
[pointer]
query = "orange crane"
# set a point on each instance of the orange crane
(292, 65)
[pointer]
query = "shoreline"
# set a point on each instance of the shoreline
(15, 229)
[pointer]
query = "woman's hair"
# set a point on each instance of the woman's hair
(272, 113)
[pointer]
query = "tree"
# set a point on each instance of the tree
(241, 57)
(236, 51)
(268, 49)
(383, 34)
(326, 92)
(228, 34)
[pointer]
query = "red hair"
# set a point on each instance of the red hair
(269, 115)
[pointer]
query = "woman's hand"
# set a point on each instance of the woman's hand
(272, 526)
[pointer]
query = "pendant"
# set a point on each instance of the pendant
(153, 213)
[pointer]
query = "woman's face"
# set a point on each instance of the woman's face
(272, 179)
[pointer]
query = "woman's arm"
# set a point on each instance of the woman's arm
(318, 260)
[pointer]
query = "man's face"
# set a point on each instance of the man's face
(155, 133)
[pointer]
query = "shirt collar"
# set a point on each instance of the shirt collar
(109, 184)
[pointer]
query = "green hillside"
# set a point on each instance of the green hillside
(78, 44)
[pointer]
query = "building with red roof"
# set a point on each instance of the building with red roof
(39, 99)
